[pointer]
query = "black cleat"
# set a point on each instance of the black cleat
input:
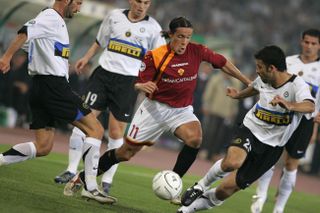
(191, 195)
(64, 177)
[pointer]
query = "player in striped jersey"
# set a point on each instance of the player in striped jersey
(307, 66)
(284, 99)
(168, 77)
(51, 96)
(125, 35)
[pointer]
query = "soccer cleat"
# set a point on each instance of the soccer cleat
(106, 187)
(257, 204)
(191, 194)
(176, 201)
(73, 186)
(64, 177)
(98, 196)
(201, 203)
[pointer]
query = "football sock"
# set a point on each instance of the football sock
(107, 160)
(215, 173)
(91, 149)
(263, 184)
(185, 159)
(19, 152)
(75, 149)
(287, 183)
(108, 175)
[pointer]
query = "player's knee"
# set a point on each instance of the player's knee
(229, 165)
(225, 191)
(97, 131)
(43, 150)
(194, 141)
(292, 164)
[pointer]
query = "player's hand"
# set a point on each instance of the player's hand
(148, 87)
(281, 102)
(4, 65)
(317, 118)
(80, 64)
(232, 92)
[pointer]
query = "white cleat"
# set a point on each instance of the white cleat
(257, 204)
(73, 186)
(98, 196)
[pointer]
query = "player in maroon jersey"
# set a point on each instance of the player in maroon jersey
(168, 77)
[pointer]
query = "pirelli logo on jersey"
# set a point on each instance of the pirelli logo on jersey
(126, 48)
(61, 50)
(272, 117)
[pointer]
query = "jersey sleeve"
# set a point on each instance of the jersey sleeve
(44, 27)
(217, 60)
(157, 39)
(104, 32)
(302, 91)
(256, 84)
(147, 71)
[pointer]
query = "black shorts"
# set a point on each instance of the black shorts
(52, 99)
(299, 141)
(261, 157)
(114, 91)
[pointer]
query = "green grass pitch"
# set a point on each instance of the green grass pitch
(29, 187)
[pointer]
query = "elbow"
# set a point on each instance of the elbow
(311, 107)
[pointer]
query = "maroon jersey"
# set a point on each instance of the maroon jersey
(176, 75)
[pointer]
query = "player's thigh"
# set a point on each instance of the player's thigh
(147, 124)
(259, 160)
(299, 141)
(123, 97)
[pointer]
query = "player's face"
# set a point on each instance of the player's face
(139, 8)
(180, 39)
(263, 71)
(72, 8)
(310, 46)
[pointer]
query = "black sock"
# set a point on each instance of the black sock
(185, 159)
(107, 160)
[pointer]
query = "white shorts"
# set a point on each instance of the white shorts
(152, 118)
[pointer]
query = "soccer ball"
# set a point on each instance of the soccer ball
(167, 185)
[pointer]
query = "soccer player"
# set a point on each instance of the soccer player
(124, 35)
(306, 65)
(259, 142)
(168, 76)
(51, 96)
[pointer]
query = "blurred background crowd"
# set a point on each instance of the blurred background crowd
(235, 28)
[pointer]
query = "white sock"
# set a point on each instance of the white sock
(91, 152)
(287, 183)
(108, 175)
(75, 149)
(19, 152)
(263, 184)
(215, 173)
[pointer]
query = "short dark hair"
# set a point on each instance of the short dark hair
(311, 32)
(272, 55)
(176, 23)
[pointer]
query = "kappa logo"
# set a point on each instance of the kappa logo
(127, 115)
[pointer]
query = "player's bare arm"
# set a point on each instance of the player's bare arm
(15, 45)
(236, 94)
(147, 87)
(82, 62)
(232, 70)
(305, 106)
